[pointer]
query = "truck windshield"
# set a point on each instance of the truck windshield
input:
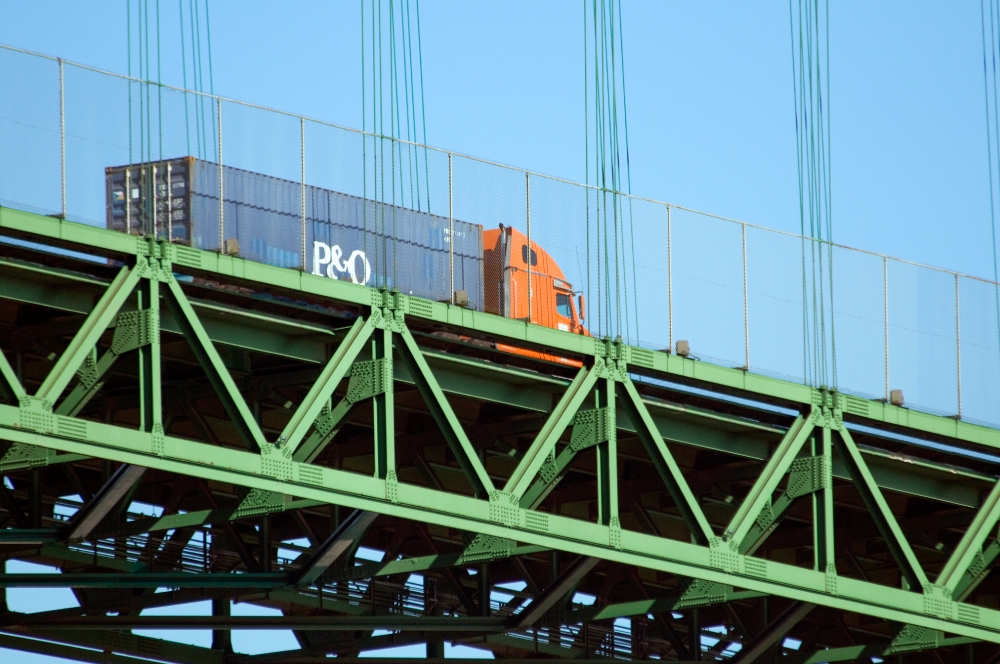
(563, 307)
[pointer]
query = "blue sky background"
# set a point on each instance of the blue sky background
(710, 99)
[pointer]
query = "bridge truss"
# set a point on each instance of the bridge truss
(616, 503)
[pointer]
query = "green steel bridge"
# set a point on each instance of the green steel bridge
(697, 506)
(182, 425)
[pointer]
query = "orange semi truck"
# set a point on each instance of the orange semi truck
(346, 237)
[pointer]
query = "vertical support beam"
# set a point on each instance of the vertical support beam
(35, 498)
(384, 411)
(694, 638)
(264, 545)
(302, 155)
(150, 384)
(825, 555)
(62, 136)
(484, 589)
(527, 207)
(222, 227)
(607, 460)
(670, 288)
(958, 344)
(221, 638)
(746, 302)
(451, 232)
(885, 320)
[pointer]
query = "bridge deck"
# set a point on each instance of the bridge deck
(275, 421)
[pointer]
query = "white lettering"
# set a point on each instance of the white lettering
(352, 267)
(332, 258)
(321, 256)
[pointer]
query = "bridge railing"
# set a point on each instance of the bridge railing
(652, 272)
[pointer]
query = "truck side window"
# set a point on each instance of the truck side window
(563, 307)
(524, 255)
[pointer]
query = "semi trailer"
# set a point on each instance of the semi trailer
(345, 237)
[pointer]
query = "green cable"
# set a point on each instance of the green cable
(586, 139)
(187, 122)
(128, 38)
(364, 139)
(423, 114)
(628, 171)
(989, 146)
(211, 77)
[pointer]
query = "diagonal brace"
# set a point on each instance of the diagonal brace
(218, 375)
(971, 543)
(9, 377)
(319, 394)
(764, 487)
(665, 464)
(554, 427)
(107, 498)
(556, 592)
(343, 539)
(445, 416)
(877, 506)
(86, 338)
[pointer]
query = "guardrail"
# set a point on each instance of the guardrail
(652, 272)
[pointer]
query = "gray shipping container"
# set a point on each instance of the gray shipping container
(347, 237)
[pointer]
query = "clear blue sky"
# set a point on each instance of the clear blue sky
(710, 98)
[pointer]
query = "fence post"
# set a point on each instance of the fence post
(885, 319)
(670, 288)
(222, 228)
(958, 345)
(62, 137)
(746, 311)
(302, 155)
(451, 234)
(527, 207)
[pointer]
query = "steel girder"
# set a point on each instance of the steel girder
(802, 456)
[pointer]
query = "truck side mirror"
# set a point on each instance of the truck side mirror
(583, 311)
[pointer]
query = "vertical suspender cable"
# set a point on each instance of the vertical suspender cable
(187, 122)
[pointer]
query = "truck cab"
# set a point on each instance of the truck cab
(507, 262)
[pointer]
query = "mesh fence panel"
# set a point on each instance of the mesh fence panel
(980, 332)
(97, 136)
(708, 286)
(859, 321)
(558, 227)
(488, 196)
(774, 296)
(922, 337)
(387, 213)
(29, 133)
(649, 324)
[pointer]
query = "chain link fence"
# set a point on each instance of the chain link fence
(103, 149)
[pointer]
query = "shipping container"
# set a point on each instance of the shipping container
(347, 237)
